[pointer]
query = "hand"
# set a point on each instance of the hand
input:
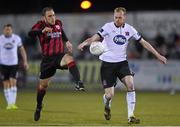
(47, 29)
(162, 59)
(26, 65)
(81, 46)
(69, 46)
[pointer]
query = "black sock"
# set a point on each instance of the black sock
(74, 71)
(40, 95)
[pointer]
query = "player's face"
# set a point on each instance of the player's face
(7, 31)
(119, 18)
(50, 17)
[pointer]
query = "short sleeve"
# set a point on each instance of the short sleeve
(19, 41)
(38, 26)
(103, 31)
(135, 34)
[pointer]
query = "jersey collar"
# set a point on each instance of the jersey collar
(123, 25)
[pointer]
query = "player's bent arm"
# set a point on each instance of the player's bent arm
(88, 41)
(148, 46)
(24, 56)
(69, 46)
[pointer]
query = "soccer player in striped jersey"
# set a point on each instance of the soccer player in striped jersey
(10, 44)
(114, 65)
(53, 40)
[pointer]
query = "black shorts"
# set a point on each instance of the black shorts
(50, 64)
(111, 71)
(8, 71)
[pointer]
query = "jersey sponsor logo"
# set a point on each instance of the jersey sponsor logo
(57, 26)
(54, 34)
(8, 46)
(119, 39)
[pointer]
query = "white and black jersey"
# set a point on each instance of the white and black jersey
(9, 49)
(115, 40)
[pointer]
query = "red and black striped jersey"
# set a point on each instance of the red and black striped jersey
(52, 43)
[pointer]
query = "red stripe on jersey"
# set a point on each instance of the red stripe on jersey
(62, 46)
(45, 49)
(57, 46)
(51, 47)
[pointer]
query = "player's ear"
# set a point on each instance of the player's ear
(44, 18)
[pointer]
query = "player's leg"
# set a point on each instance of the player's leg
(131, 99)
(13, 92)
(107, 99)
(47, 70)
(41, 91)
(13, 82)
(126, 76)
(7, 93)
(73, 69)
(108, 79)
(6, 85)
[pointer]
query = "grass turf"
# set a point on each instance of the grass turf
(86, 109)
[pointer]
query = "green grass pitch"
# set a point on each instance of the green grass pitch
(86, 109)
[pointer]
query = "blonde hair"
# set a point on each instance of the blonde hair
(118, 9)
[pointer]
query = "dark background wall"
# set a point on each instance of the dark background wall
(71, 6)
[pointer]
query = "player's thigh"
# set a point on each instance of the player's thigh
(123, 70)
(108, 76)
(47, 68)
(44, 82)
(109, 92)
(5, 72)
(67, 58)
(12, 81)
(13, 71)
(128, 81)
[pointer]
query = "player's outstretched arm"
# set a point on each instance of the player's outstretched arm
(24, 57)
(88, 41)
(148, 46)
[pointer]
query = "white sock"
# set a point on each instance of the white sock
(6, 94)
(131, 100)
(11, 100)
(107, 102)
(14, 93)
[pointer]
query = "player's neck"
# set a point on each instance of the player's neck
(8, 36)
(122, 25)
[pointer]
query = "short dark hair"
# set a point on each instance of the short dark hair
(8, 25)
(46, 9)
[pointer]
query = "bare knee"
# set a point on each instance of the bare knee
(68, 58)
(109, 95)
(44, 84)
(130, 87)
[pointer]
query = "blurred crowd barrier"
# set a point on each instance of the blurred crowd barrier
(149, 75)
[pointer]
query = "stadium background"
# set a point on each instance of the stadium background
(157, 21)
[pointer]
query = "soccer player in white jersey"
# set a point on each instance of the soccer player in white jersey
(9, 45)
(115, 37)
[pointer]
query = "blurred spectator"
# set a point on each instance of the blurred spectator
(85, 54)
(10, 44)
(175, 54)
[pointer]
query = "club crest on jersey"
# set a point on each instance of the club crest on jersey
(119, 39)
(127, 33)
(8, 46)
(58, 27)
